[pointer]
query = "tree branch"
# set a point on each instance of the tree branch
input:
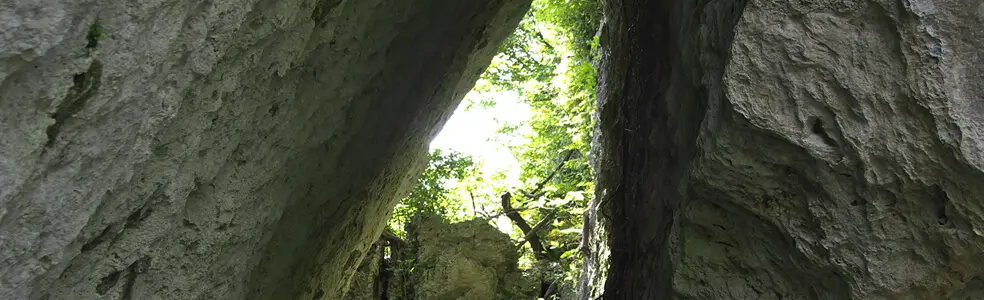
(393, 239)
(539, 36)
(474, 208)
(539, 186)
(550, 289)
(535, 244)
(539, 225)
(514, 209)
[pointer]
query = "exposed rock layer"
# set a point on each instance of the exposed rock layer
(837, 157)
(228, 149)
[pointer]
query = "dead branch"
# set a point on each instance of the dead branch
(496, 215)
(474, 208)
(539, 225)
(535, 243)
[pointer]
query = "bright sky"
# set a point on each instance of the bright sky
(469, 131)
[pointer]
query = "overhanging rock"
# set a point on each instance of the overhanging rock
(227, 149)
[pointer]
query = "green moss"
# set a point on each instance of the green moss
(96, 33)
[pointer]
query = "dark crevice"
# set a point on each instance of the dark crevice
(819, 130)
(321, 10)
(138, 216)
(641, 219)
(107, 283)
(103, 236)
(940, 201)
(85, 86)
(654, 51)
(138, 267)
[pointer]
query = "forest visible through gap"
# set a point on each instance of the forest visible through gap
(547, 64)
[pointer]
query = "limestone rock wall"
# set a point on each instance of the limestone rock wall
(847, 163)
(791, 150)
(367, 282)
(221, 149)
(660, 69)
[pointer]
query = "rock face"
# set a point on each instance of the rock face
(466, 260)
(790, 150)
(367, 282)
(226, 149)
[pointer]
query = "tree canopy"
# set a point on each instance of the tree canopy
(431, 194)
(548, 63)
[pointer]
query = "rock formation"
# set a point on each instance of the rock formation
(369, 282)
(465, 260)
(227, 149)
(252, 149)
(790, 150)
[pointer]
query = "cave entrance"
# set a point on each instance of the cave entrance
(515, 154)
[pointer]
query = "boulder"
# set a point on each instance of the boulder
(466, 260)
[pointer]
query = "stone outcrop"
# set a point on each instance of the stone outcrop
(226, 149)
(466, 260)
(790, 150)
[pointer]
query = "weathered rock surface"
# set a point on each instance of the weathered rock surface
(834, 153)
(367, 282)
(466, 260)
(227, 149)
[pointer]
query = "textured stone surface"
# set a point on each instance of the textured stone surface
(661, 63)
(838, 155)
(466, 260)
(366, 283)
(851, 143)
(226, 149)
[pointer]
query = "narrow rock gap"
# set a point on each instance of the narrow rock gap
(653, 49)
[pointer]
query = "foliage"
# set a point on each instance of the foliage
(547, 62)
(96, 33)
(432, 195)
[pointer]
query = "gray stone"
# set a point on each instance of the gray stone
(226, 149)
(466, 260)
(367, 283)
(838, 154)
